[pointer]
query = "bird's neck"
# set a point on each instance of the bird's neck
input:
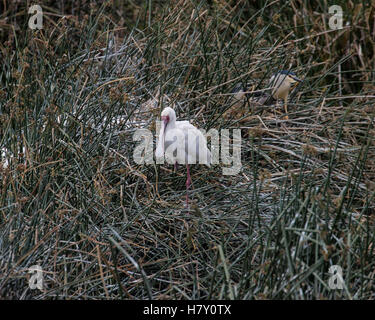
(171, 125)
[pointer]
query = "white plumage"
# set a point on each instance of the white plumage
(181, 143)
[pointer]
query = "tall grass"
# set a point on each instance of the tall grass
(73, 200)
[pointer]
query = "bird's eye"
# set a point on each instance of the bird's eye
(165, 118)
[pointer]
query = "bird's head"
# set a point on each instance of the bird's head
(290, 77)
(168, 115)
(282, 82)
(239, 91)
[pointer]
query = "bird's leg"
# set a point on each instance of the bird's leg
(188, 182)
(276, 110)
(175, 166)
(286, 108)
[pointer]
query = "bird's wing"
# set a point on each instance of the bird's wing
(196, 146)
(184, 125)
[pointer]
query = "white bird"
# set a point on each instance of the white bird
(181, 143)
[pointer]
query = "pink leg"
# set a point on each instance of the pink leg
(175, 166)
(188, 182)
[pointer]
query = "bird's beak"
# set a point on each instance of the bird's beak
(160, 147)
(165, 120)
(295, 81)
